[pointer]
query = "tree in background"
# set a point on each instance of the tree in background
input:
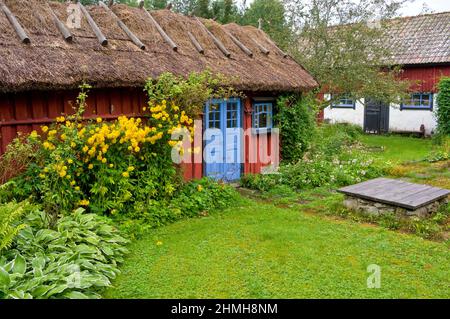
(340, 43)
(271, 15)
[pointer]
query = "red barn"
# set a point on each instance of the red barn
(48, 49)
(421, 45)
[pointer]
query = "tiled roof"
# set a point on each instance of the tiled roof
(420, 39)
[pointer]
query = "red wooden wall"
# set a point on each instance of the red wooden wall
(28, 111)
(252, 143)
(425, 78)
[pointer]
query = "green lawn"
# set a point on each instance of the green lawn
(398, 148)
(260, 251)
(287, 247)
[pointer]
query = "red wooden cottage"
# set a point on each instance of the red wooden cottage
(47, 49)
(421, 45)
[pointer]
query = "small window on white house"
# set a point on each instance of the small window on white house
(418, 101)
(342, 101)
(262, 116)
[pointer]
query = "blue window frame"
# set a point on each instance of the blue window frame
(262, 115)
(344, 101)
(418, 101)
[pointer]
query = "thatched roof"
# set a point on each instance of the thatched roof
(50, 62)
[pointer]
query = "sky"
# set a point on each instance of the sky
(416, 6)
(411, 8)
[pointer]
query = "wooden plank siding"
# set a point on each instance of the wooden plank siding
(28, 111)
(425, 78)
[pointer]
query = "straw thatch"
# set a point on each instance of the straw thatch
(50, 62)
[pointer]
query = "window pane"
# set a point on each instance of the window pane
(263, 120)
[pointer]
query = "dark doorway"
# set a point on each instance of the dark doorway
(376, 117)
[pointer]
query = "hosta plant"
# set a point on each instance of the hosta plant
(76, 258)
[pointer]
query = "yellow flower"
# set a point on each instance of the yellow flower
(130, 148)
(62, 173)
(199, 188)
(60, 119)
(34, 134)
(83, 202)
(130, 169)
(144, 109)
(137, 149)
(70, 161)
(159, 243)
(72, 183)
(44, 128)
(77, 188)
(42, 175)
(125, 174)
(72, 144)
(63, 137)
(104, 160)
(91, 166)
(99, 120)
(46, 145)
(85, 149)
(111, 165)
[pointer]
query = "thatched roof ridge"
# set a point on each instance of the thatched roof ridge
(50, 62)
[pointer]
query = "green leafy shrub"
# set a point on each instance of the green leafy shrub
(443, 109)
(331, 161)
(76, 258)
(425, 228)
(195, 198)
(296, 121)
(316, 172)
(10, 224)
(332, 139)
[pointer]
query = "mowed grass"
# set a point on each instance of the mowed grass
(257, 250)
(398, 148)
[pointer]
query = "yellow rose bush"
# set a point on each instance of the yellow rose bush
(108, 166)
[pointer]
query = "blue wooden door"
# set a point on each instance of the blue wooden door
(223, 149)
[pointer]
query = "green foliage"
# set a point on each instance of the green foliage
(332, 139)
(10, 224)
(191, 92)
(331, 162)
(296, 120)
(337, 44)
(195, 198)
(443, 108)
(272, 16)
(77, 258)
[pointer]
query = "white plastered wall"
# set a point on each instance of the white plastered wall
(399, 120)
(411, 120)
(344, 115)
